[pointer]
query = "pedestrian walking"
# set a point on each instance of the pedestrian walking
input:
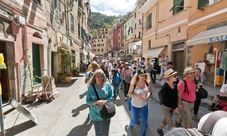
(90, 67)
(198, 82)
(169, 66)
(105, 93)
(116, 76)
(134, 66)
(140, 92)
(186, 97)
(169, 100)
(90, 73)
(105, 68)
(127, 74)
(153, 71)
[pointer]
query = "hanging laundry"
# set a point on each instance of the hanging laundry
(224, 61)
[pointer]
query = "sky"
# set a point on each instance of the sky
(112, 7)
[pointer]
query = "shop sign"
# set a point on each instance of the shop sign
(218, 38)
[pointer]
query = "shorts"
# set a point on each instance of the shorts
(221, 98)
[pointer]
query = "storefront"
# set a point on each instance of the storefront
(210, 47)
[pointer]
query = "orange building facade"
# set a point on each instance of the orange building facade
(207, 38)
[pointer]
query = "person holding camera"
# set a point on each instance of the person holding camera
(90, 73)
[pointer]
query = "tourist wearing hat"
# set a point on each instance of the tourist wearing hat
(186, 97)
(134, 66)
(127, 74)
(140, 91)
(169, 100)
(89, 74)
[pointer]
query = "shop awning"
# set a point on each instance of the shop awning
(138, 43)
(153, 52)
(209, 36)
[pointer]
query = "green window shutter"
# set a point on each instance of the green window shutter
(202, 3)
(178, 5)
(149, 21)
(36, 63)
(78, 30)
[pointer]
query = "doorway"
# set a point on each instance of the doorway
(4, 78)
(36, 63)
(178, 59)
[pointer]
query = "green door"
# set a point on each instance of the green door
(36, 63)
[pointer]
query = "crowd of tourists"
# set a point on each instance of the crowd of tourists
(105, 78)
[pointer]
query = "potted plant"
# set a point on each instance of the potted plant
(30, 96)
(77, 71)
(68, 77)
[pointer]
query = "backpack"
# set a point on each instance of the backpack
(116, 77)
(221, 106)
(183, 132)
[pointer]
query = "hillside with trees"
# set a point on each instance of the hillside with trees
(100, 20)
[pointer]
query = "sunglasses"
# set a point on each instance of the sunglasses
(191, 73)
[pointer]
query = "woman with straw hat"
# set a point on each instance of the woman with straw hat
(169, 100)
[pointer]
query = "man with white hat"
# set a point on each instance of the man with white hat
(89, 74)
(186, 97)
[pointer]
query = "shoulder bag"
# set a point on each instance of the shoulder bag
(108, 110)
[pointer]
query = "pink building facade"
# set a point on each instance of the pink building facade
(23, 42)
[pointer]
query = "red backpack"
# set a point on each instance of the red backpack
(221, 106)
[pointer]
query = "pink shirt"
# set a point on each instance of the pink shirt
(191, 89)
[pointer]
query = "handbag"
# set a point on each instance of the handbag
(108, 110)
(202, 92)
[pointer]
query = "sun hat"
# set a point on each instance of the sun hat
(188, 70)
(126, 63)
(169, 73)
(103, 61)
(142, 72)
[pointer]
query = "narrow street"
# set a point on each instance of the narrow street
(67, 115)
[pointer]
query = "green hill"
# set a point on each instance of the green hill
(100, 20)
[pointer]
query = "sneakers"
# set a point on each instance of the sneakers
(160, 132)
(126, 98)
(178, 124)
(211, 108)
(196, 117)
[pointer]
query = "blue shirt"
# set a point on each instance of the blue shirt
(106, 93)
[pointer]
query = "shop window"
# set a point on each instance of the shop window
(149, 21)
(178, 6)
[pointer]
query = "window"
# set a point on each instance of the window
(125, 27)
(135, 15)
(78, 30)
(94, 45)
(72, 21)
(149, 21)
(135, 26)
(94, 49)
(98, 50)
(94, 41)
(98, 40)
(80, 4)
(178, 6)
(38, 2)
(102, 40)
(58, 15)
(102, 49)
(149, 44)
(73, 56)
(103, 36)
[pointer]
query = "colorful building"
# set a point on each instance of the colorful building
(207, 38)
(165, 30)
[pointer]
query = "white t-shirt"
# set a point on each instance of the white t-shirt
(136, 102)
(223, 88)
